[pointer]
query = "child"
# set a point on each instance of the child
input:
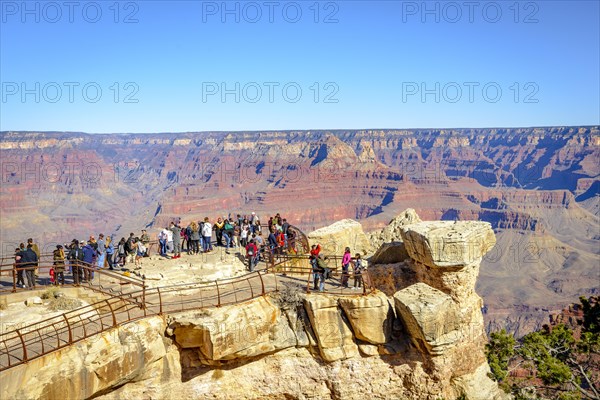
(358, 269)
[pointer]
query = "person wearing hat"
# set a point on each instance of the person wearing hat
(59, 265)
(76, 256)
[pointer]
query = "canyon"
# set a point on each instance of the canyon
(537, 187)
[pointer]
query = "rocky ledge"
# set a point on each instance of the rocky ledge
(425, 342)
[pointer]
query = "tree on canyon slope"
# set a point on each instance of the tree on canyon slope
(557, 361)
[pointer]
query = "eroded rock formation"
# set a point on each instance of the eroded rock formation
(427, 342)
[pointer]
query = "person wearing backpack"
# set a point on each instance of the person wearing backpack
(322, 272)
(131, 249)
(59, 265)
(252, 255)
(227, 234)
(358, 269)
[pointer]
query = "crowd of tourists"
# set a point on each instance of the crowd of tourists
(242, 232)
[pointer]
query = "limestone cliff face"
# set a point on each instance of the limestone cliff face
(425, 342)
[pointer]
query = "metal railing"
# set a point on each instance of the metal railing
(104, 281)
(300, 265)
(24, 344)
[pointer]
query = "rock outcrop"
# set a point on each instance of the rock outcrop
(131, 353)
(339, 235)
(426, 342)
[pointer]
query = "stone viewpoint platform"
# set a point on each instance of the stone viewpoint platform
(424, 342)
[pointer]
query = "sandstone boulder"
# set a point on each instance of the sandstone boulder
(333, 333)
(244, 330)
(448, 244)
(34, 301)
(336, 237)
(392, 232)
(92, 366)
(371, 317)
(430, 317)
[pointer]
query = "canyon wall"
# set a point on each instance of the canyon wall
(538, 187)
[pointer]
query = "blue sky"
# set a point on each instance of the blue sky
(154, 66)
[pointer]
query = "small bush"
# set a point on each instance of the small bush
(64, 303)
(3, 306)
(51, 293)
(289, 298)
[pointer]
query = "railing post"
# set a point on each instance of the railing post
(160, 309)
(262, 283)
(112, 312)
(218, 294)
(144, 297)
(24, 347)
(14, 277)
(69, 328)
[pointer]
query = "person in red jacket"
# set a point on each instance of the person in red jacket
(315, 250)
(252, 255)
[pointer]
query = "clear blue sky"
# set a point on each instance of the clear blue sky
(376, 64)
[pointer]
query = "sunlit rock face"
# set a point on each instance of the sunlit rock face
(425, 342)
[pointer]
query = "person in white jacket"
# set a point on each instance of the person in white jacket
(206, 235)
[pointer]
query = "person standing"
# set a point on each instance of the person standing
(28, 260)
(206, 235)
(59, 265)
(194, 232)
(36, 250)
(20, 272)
(76, 257)
(88, 260)
(358, 269)
(131, 248)
(219, 231)
(252, 255)
(121, 252)
(169, 239)
(228, 231)
(110, 252)
(346, 267)
(162, 241)
(176, 231)
(101, 250)
(145, 239)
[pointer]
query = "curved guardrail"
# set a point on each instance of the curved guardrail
(27, 343)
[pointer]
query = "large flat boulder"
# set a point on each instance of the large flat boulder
(431, 317)
(334, 336)
(448, 244)
(243, 330)
(339, 235)
(371, 317)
